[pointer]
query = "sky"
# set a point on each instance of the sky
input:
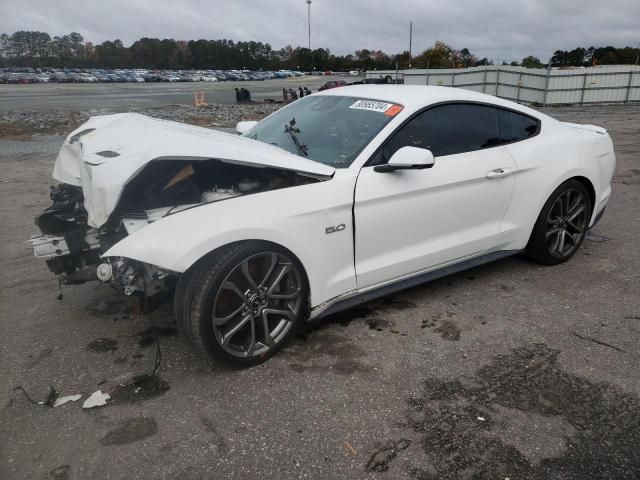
(496, 29)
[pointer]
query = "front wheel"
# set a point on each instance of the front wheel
(242, 303)
(561, 225)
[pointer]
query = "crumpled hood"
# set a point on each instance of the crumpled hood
(103, 154)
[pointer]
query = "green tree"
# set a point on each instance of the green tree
(112, 54)
(364, 58)
(463, 58)
(531, 62)
(438, 56)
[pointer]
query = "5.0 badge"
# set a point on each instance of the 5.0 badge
(337, 228)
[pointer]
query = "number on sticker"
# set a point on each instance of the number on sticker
(371, 105)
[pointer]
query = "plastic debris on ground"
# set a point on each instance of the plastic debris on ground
(69, 398)
(97, 399)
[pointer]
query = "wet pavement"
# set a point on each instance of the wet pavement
(509, 370)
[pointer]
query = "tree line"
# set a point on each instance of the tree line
(39, 49)
(586, 57)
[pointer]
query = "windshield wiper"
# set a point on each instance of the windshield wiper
(293, 131)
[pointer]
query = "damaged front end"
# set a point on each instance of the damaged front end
(105, 198)
(72, 249)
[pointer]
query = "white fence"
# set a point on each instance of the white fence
(608, 84)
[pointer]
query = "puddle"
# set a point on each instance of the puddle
(102, 345)
(109, 306)
(315, 341)
(344, 356)
(448, 331)
(142, 388)
(379, 324)
(131, 430)
(148, 335)
(522, 417)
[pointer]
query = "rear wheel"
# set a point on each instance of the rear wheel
(242, 303)
(561, 225)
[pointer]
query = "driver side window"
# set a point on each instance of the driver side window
(446, 130)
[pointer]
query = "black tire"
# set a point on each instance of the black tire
(200, 290)
(388, 79)
(544, 244)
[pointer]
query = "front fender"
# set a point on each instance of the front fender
(295, 218)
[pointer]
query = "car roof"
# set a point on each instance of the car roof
(414, 97)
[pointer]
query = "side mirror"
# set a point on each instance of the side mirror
(242, 127)
(408, 158)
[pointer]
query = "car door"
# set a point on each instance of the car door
(410, 221)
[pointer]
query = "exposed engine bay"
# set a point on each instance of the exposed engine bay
(72, 248)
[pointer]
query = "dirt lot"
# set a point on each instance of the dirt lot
(510, 370)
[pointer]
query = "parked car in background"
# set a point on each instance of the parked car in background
(141, 75)
(333, 84)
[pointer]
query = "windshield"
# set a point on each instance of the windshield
(328, 129)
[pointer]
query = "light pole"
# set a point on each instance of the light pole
(410, 41)
(309, 20)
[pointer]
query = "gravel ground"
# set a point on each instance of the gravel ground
(510, 370)
(21, 125)
(58, 108)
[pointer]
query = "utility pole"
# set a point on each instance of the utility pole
(309, 20)
(410, 41)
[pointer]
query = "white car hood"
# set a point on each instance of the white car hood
(103, 154)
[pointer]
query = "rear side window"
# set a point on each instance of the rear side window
(515, 126)
(447, 130)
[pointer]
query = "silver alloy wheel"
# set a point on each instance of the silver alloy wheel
(257, 304)
(566, 223)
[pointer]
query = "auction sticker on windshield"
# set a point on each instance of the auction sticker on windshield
(375, 106)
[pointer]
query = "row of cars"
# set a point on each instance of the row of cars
(99, 75)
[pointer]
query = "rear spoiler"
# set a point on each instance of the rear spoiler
(588, 128)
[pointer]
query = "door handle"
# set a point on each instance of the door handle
(499, 173)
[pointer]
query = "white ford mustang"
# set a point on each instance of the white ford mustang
(333, 200)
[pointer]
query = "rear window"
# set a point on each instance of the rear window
(515, 126)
